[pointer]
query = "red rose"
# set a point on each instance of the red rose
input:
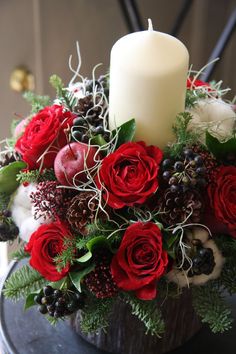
(192, 84)
(44, 134)
(44, 245)
(129, 175)
(222, 194)
(140, 260)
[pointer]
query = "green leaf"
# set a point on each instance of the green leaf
(8, 182)
(169, 243)
(85, 258)
(29, 302)
(220, 149)
(125, 132)
(76, 277)
(99, 241)
(98, 140)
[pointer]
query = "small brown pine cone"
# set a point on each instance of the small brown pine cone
(86, 107)
(177, 207)
(82, 211)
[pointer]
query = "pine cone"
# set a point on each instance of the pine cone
(82, 211)
(90, 110)
(176, 207)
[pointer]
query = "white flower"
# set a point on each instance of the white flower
(180, 277)
(23, 212)
(215, 115)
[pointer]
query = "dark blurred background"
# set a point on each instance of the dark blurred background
(41, 34)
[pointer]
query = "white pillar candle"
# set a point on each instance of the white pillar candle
(148, 73)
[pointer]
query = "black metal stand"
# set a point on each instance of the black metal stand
(220, 46)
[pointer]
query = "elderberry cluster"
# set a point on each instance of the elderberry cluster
(8, 230)
(203, 261)
(186, 173)
(59, 303)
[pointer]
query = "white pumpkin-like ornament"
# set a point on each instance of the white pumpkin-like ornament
(195, 236)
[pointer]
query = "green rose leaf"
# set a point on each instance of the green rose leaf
(220, 149)
(169, 241)
(99, 241)
(85, 258)
(125, 132)
(76, 277)
(8, 182)
(29, 302)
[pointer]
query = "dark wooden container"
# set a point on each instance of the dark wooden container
(126, 334)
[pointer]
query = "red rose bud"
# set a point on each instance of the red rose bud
(140, 260)
(44, 245)
(129, 175)
(45, 133)
(222, 194)
(192, 84)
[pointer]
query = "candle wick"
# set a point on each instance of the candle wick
(150, 26)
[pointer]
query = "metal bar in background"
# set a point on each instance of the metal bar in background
(220, 46)
(181, 17)
(131, 15)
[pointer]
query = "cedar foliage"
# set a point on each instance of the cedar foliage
(148, 313)
(95, 315)
(23, 282)
(209, 303)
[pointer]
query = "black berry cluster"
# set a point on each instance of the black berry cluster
(203, 261)
(8, 230)
(185, 173)
(59, 303)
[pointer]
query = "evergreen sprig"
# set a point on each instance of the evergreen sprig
(227, 279)
(210, 305)
(19, 254)
(148, 313)
(95, 315)
(67, 256)
(192, 96)
(23, 282)
(35, 176)
(184, 135)
(62, 93)
(37, 101)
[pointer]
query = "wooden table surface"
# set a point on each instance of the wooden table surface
(29, 333)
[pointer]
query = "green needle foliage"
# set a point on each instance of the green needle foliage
(227, 278)
(36, 176)
(37, 101)
(148, 313)
(209, 304)
(184, 136)
(19, 255)
(95, 315)
(23, 282)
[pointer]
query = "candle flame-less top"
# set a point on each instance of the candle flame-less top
(148, 75)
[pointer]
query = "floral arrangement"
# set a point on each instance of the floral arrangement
(104, 217)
